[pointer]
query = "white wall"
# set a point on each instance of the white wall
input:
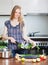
(33, 23)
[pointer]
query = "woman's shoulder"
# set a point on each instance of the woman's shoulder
(7, 22)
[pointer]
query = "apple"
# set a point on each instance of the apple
(41, 57)
(33, 60)
(44, 57)
(38, 59)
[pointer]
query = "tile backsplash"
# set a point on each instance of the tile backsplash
(33, 23)
(37, 23)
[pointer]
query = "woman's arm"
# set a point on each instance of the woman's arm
(27, 38)
(5, 36)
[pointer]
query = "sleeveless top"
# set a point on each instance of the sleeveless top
(14, 32)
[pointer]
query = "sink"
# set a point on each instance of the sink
(32, 34)
(40, 36)
(37, 35)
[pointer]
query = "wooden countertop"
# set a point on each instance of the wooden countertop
(13, 61)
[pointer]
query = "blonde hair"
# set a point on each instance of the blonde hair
(20, 19)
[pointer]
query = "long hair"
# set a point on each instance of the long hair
(20, 19)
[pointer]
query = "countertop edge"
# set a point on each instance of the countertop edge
(39, 37)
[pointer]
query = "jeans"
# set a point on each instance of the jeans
(13, 53)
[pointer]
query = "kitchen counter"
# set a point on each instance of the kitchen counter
(13, 61)
(39, 37)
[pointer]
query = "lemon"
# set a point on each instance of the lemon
(22, 59)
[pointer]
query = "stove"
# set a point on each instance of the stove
(42, 43)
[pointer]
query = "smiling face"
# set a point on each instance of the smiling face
(17, 13)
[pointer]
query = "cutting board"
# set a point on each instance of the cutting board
(28, 56)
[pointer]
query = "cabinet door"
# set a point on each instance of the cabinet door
(5, 7)
(32, 6)
(28, 6)
(38, 6)
(23, 4)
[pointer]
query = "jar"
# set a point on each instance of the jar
(6, 53)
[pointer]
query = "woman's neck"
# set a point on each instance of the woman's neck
(14, 22)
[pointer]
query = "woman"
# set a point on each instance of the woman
(15, 30)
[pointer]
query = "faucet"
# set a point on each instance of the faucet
(35, 33)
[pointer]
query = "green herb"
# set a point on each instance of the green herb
(25, 46)
(2, 43)
(19, 45)
(37, 47)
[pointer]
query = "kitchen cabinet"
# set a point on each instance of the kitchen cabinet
(23, 4)
(38, 6)
(33, 6)
(5, 7)
(28, 6)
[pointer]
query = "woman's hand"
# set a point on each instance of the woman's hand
(12, 40)
(33, 43)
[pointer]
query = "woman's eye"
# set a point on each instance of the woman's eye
(18, 12)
